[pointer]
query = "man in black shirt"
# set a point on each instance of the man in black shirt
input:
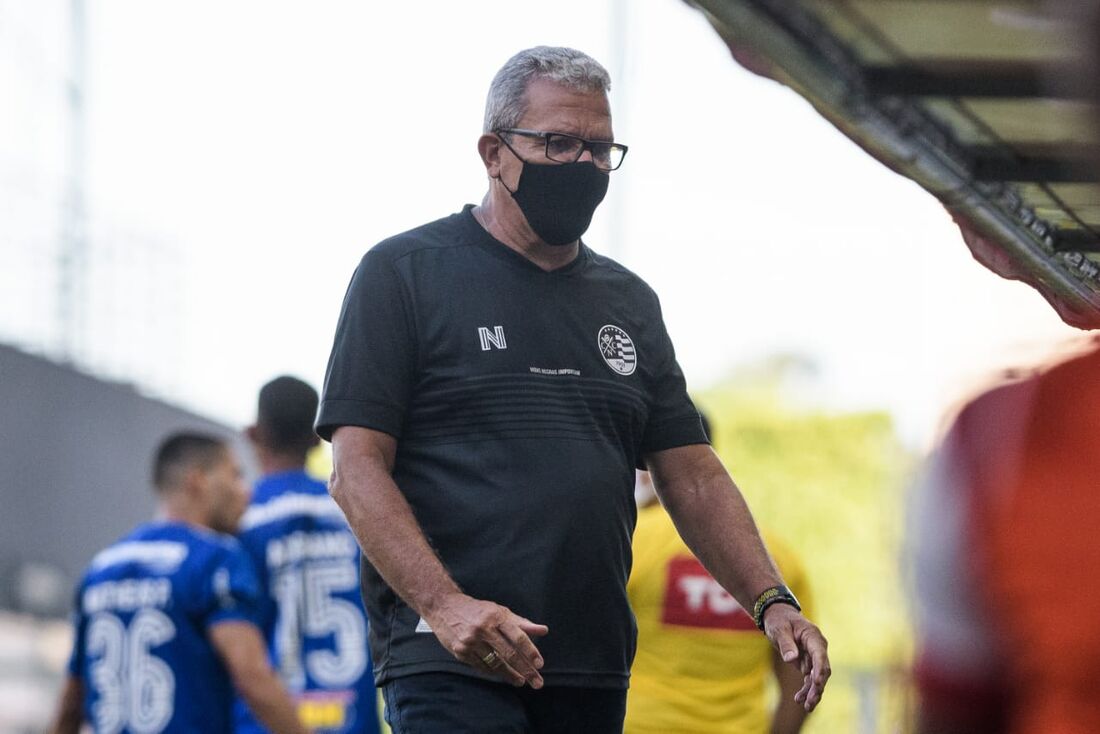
(492, 386)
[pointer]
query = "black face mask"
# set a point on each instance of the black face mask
(559, 200)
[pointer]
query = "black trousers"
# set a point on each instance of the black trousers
(446, 703)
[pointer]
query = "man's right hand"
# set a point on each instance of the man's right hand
(484, 635)
(489, 637)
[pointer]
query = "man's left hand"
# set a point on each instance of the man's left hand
(800, 643)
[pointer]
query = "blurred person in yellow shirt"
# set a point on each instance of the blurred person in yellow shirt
(702, 666)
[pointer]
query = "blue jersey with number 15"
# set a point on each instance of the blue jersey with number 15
(143, 611)
(308, 563)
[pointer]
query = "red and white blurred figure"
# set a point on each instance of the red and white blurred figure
(1003, 541)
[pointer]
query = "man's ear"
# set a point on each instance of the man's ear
(194, 482)
(252, 433)
(488, 147)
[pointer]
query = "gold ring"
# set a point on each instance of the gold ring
(492, 660)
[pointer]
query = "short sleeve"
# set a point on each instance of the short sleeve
(373, 361)
(673, 418)
(228, 590)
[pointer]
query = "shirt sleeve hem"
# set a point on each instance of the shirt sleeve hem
(336, 412)
(670, 434)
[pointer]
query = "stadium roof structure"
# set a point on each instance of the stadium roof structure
(981, 102)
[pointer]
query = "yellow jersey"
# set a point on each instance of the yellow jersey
(701, 666)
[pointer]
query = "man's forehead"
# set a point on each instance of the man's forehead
(555, 107)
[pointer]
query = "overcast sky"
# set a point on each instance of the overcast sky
(274, 142)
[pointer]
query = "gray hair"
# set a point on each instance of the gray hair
(507, 99)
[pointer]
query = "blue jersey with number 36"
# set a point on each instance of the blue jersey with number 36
(143, 610)
(313, 617)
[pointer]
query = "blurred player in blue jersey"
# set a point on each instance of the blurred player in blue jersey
(166, 617)
(308, 564)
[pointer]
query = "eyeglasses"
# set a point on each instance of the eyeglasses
(562, 148)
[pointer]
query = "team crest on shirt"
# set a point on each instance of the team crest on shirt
(617, 349)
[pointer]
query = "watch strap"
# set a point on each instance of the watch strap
(770, 596)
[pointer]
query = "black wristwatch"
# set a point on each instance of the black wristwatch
(774, 595)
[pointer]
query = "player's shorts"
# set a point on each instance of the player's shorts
(459, 704)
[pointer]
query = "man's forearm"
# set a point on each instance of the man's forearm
(387, 530)
(715, 522)
(713, 519)
(718, 527)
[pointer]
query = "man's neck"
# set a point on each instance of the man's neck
(273, 463)
(505, 222)
(177, 510)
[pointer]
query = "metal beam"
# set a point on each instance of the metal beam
(787, 42)
(1076, 240)
(991, 165)
(974, 80)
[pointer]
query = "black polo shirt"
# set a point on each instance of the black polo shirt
(521, 401)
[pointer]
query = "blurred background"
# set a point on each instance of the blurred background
(186, 187)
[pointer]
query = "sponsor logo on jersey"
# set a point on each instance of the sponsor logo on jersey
(617, 349)
(491, 339)
(694, 599)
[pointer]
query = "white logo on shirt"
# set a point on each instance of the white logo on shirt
(704, 591)
(617, 349)
(490, 339)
